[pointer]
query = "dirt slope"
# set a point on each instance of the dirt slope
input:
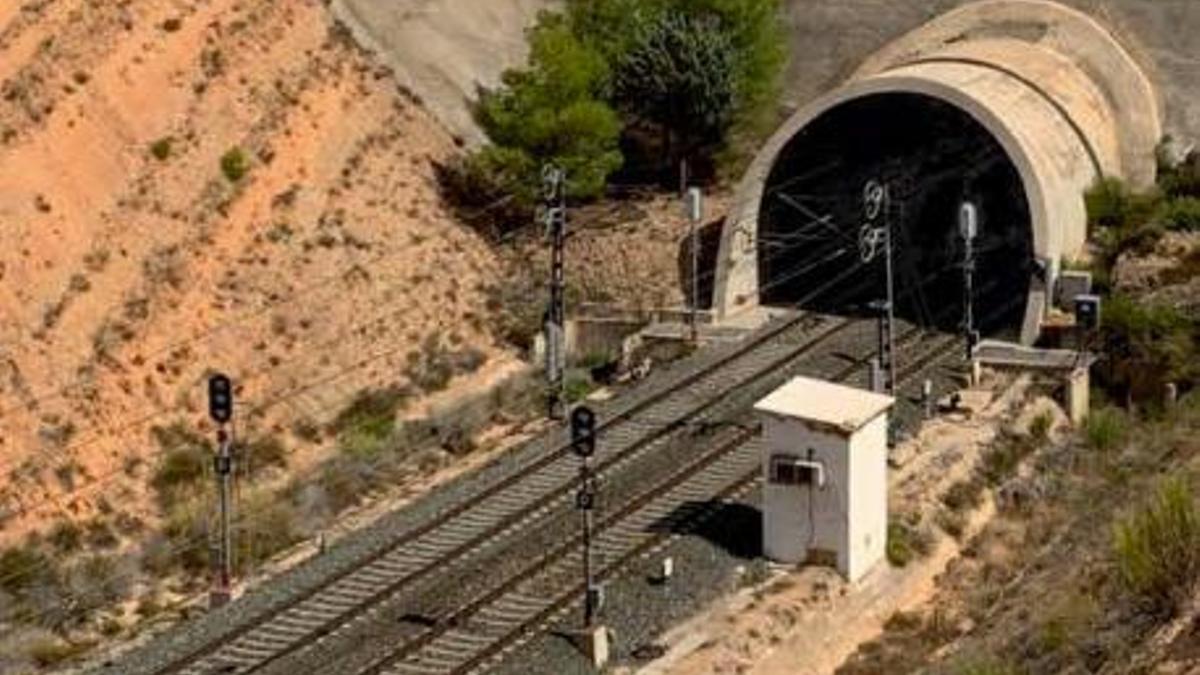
(127, 272)
(444, 50)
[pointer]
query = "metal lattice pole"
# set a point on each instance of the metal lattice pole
(695, 215)
(875, 233)
(969, 229)
(889, 355)
(554, 185)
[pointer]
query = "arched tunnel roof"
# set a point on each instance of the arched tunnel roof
(1065, 102)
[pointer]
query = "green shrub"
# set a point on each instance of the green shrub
(552, 112)
(186, 544)
(65, 537)
(1157, 549)
(965, 494)
(307, 430)
(753, 30)
(264, 453)
(595, 360)
(984, 665)
(1181, 214)
(1182, 180)
(517, 308)
(99, 534)
(161, 149)
(96, 582)
(184, 464)
(367, 441)
(344, 481)
(1122, 221)
(578, 387)
(678, 75)
(1105, 429)
(235, 164)
(1066, 622)
(270, 525)
(1148, 344)
(952, 523)
(1111, 204)
(491, 189)
(1002, 460)
(433, 367)
(23, 567)
(520, 398)
(906, 543)
(372, 412)
(689, 77)
(1039, 426)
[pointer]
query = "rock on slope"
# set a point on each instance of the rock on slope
(131, 263)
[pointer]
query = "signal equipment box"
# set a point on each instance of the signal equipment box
(825, 471)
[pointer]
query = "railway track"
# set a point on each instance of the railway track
(505, 508)
(474, 634)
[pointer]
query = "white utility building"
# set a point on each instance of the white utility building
(825, 466)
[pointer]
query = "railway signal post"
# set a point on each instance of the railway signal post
(555, 194)
(594, 638)
(695, 213)
(968, 228)
(220, 409)
(875, 238)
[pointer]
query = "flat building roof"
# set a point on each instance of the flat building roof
(825, 403)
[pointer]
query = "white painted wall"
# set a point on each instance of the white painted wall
(848, 517)
(867, 539)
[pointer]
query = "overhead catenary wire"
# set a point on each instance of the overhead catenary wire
(198, 542)
(103, 479)
(792, 274)
(817, 220)
(249, 520)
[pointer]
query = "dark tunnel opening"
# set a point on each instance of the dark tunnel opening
(932, 156)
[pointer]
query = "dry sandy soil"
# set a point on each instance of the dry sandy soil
(134, 261)
(132, 265)
(125, 276)
(633, 253)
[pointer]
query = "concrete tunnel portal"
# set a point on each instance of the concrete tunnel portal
(1017, 106)
(932, 156)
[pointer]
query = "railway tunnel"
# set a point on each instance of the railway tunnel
(1016, 106)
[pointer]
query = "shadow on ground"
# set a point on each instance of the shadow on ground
(735, 528)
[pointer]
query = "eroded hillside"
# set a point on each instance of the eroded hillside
(207, 184)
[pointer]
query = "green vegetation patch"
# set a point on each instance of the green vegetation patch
(1105, 430)
(264, 453)
(906, 543)
(161, 149)
(365, 425)
(235, 164)
(1157, 548)
(184, 464)
(1149, 344)
(648, 85)
(22, 567)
